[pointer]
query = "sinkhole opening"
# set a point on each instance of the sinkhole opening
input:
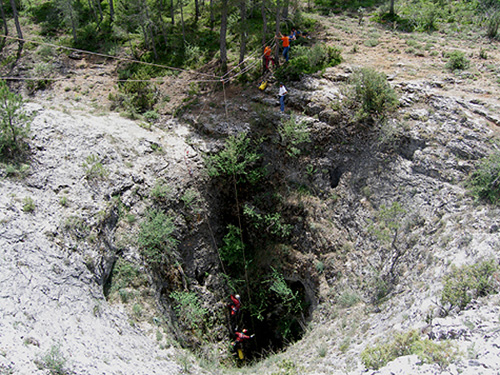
(276, 316)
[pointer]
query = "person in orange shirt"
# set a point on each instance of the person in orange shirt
(286, 45)
(267, 58)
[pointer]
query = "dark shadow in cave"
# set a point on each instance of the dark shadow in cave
(279, 327)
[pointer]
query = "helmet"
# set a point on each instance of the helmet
(237, 296)
(245, 330)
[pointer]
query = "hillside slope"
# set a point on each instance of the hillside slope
(72, 220)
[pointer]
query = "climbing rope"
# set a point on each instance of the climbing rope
(226, 78)
(106, 56)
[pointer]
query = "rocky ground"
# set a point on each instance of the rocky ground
(62, 230)
(51, 278)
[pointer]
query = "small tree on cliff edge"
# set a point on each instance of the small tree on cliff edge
(14, 122)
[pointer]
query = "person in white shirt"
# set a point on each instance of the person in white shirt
(282, 94)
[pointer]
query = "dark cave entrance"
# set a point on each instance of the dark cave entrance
(281, 323)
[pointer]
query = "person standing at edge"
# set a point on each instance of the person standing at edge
(283, 91)
(286, 45)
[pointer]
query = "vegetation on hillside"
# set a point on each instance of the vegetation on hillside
(484, 181)
(14, 123)
(256, 231)
(377, 356)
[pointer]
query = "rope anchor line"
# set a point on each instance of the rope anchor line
(226, 78)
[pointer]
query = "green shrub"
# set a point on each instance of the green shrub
(77, 227)
(54, 361)
(428, 17)
(138, 94)
(124, 275)
(492, 25)
(457, 61)
(156, 237)
(287, 301)
(14, 122)
(233, 248)
(309, 60)
(151, 116)
(41, 74)
(161, 191)
(349, 299)
(377, 356)
(369, 94)
(191, 199)
(93, 168)
(16, 170)
(192, 55)
(237, 160)
(484, 182)
(63, 201)
(293, 133)
(28, 204)
(188, 308)
(279, 286)
(465, 283)
(270, 223)
(371, 42)
(137, 310)
(46, 52)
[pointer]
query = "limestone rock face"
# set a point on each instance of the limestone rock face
(62, 230)
(52, 271)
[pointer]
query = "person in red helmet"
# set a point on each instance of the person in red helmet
(241, 336)
(235, 306)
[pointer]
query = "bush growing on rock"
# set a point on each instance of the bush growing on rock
(270, 222)
(188, 309)
(309, 60)
(457, 61)
(14, 122)
(492, 25)
(468, 282)
(233, 249)
(136, 95)
(93, 168)
(156, 237)
(377, 356)
(485, 180)
(293, 133)
(370, 95)
(54, 361)
(236, 161)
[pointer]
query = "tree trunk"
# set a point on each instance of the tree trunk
(196, 11)
(99, 8)
(92, 8)
(243, 35)
(223, 31)
(162, 23)
(278, 20)
(149, 28)
(285, 9)
(5, 27)
(73, 24)
(172, 12)
(111, 10)
(264, 23)
(18, 26)
(182, 23)
(391, 9)
(212, 16)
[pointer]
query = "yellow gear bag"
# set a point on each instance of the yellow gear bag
(263, 85)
